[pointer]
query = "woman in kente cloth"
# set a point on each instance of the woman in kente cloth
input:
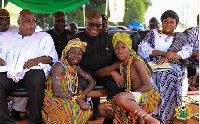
(161, 47)
(140, 96)
(63, 103)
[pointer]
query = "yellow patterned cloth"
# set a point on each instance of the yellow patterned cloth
(123, 37)
(60, 110)
(148, 103)
(73, 43)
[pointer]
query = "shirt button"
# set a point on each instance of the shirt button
(59, 41)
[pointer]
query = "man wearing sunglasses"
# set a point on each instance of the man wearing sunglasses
(99, 53)
(5, 22)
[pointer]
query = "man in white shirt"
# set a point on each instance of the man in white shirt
(24, 62)
(19, 102)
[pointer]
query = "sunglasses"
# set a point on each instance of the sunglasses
(4, 17)
(94, 25)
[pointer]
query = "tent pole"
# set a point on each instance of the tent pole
(83, 15)
(106, 10)
(2, 4)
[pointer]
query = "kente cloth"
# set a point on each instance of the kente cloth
(149, 102)
(168, 82)
(61, 110)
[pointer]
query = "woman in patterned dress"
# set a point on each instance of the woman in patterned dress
(63, 103)
(162, 47)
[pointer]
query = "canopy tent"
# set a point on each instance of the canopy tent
(48, 6)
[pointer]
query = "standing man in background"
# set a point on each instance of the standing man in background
(59, 34)
(73, 28)
(105, 25)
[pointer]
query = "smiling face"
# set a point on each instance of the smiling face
(122, 51)
(93, 25)
(74, 55)
(168, 25)
(59, 21)
(26, 23)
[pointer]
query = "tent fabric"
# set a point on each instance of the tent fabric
(48, 6)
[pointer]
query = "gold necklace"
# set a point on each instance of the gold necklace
(128, 74)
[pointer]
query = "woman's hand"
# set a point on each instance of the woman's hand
(84, 106)
(162, 60)
(170, 55)
(118, 78)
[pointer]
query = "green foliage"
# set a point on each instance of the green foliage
(134, 11)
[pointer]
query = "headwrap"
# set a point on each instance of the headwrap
(123, 37)
(73, 43)
(126, 39)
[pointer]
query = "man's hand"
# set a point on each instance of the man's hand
(118, 78)
(30, 63)
(2, 62)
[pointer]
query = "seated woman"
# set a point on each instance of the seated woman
(63, 103)
(161, 47)
(139, 98)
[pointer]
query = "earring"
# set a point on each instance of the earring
(69, 56)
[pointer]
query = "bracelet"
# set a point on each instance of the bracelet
(80, 92)
(75, 97)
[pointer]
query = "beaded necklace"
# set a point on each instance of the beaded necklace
(71, 77)
(128, 74)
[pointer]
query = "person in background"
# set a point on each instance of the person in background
(165, 46)
(63, 102)
(24, 63)
(154, 24)
(73, 28)
(59, 34)
(98, 54)
(5, 22)
(140, 96)
(193, 39)
(105, 24)
(138, 36)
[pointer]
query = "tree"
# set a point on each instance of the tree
(134, 11)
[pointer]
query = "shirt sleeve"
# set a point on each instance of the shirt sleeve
(186, 51)
(144, 48)
(48, 47)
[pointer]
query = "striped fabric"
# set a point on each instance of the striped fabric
(193, 38)
(168, 82)
(62, 111)
(149, 102)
